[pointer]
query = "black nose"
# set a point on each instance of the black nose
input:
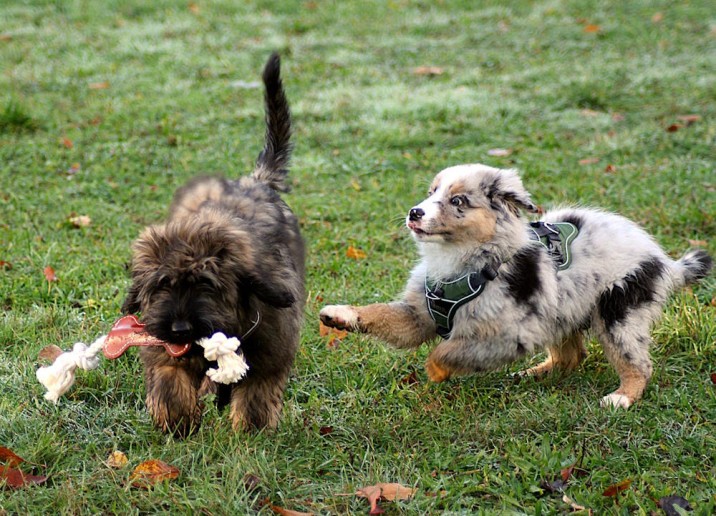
(181, 327)
(416, 214)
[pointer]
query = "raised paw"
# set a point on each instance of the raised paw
(616, 400)
(342, 317)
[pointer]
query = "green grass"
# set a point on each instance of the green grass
(370, 134)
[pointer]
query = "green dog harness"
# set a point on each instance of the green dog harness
(557, 237)
(444, 298)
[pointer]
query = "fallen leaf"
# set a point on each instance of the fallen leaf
(588, 161)
(15, 479)
(325, 430)
(615, 489)
(80, 221)
(66, 143)
(356, 185)
(5, 265)
(610, 169)
(49, 273)
(288, 512)
(356, 254)
(251, 482)
(7, 456)
(689, 119)
(592, 28)
(698, 243)
(499, 152)
(325, 331)
(152, 472)
(657, 17)
(668, 504)
(98, 85)
(713, 378)
(117, 460)
(574, 506)
(194, 8)
(428, 70)
(372, 494)
(49, 353)
(410, 379)
(5, 37)
(673, 128)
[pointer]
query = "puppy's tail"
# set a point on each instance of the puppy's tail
(272, 163)
(692, 267)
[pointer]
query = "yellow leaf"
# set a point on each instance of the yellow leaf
(152, 472)
(356, 254)
(117, 460)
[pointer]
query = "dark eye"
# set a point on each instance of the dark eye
(457, 200)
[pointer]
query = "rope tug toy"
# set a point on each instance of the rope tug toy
(127, 332)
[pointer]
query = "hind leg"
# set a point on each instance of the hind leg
(565, 356)
(626, 346)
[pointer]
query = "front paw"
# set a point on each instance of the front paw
(341, 317)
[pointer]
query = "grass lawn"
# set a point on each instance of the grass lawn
(106, 107)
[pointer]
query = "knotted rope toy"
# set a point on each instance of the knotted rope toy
(127, 332)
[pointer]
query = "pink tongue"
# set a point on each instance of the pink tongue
(128, 332)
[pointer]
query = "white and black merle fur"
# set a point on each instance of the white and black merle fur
(229, 256)
(617, 284)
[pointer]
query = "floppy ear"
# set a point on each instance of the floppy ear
(507, 190)
(270, 291)
(131, 302)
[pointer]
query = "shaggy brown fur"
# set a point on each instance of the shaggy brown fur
(230, 253)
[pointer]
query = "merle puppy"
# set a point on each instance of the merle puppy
(230, 258)
(487, 284)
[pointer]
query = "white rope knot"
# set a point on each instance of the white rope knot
(232, 366)
(60, 376)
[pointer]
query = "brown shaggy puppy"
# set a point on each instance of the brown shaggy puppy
(230, 255)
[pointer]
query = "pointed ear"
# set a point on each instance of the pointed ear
(268, 290)
(507, 190)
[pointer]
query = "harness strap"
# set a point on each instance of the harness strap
(557, 237)
(444, 298)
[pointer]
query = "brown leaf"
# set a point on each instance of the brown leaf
(372, 494)
(251, 482)
(152, 472)
(592, 28)
(67, 143)
(49, 353)
(428, 70)
(713, 378)
(49, 273)
(5, 265)
(698, 243)
(80, 221)
(288, 512)
(673, 128)
(117, 460)
(325, 430)
(98, 85)
(15, 479)
(355, 253)
(7, 456)
(501, 153)
(194, 8)
(588, 161)
(615, 489)
(325, 331)
(689, 119)
(5, 37)
(410, 379)
(610, 169)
